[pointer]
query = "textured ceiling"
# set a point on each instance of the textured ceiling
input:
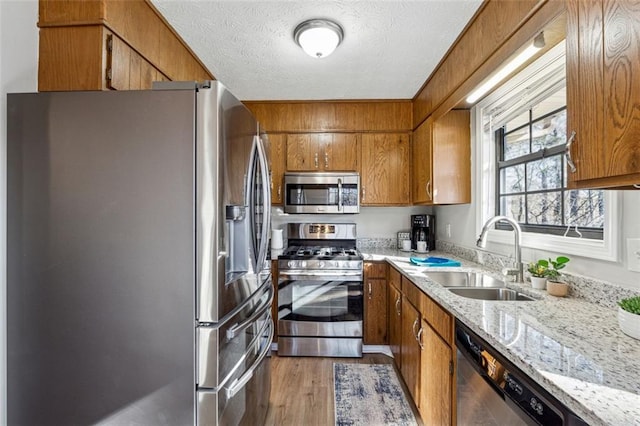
(389, 47)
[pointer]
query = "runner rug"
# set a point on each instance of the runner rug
(371, 395)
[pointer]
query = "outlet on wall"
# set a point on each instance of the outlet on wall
(633, 254)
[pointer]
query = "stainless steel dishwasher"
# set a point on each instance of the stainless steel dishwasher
(492, 391)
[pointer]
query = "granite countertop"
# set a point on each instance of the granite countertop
(573, 348)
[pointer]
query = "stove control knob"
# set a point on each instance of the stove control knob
(320, 264)
(303, 264)
(291, 264)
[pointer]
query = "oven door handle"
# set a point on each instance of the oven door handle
(320, 274)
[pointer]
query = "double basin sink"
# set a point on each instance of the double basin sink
(476, 285)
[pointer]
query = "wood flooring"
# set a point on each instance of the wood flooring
(302, 389)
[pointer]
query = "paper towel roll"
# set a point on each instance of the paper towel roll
(276, 239)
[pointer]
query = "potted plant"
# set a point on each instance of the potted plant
(555, 286)
(629, 316)
(538, 273)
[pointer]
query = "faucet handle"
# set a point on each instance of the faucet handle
(509, 272)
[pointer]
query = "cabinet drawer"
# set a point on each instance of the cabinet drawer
(412, 293)
(439, 319)
(395, 278)
(375, 269)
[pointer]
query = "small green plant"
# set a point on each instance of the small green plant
(631, 304)
(553, 272)
(538, 269)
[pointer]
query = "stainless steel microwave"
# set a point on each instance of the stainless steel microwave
(322, 192)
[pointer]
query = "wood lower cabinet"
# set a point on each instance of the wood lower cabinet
(441, 158)
(395, 321)
(384, 172)
(603, 92)
(410, 350)
(277, 166)
(322, 152)
(421, 335)
(375, 303)
(436, 394)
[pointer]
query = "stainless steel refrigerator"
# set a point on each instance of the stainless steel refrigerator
(138, 290)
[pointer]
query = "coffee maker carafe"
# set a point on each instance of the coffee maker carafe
(423, 228)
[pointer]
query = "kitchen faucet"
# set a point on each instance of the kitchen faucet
(482, 243)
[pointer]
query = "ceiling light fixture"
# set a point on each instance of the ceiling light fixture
(318, 37)
(511, 66)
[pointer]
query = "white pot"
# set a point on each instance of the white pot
(629, 323)
(539, 283)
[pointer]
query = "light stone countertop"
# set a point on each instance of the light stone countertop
(572, 348)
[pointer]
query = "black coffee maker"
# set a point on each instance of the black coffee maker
(423, 228)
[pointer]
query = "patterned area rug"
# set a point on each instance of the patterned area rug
(369, 394)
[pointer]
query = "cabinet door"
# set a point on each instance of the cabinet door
(436, 378)
(410, 352)
(277, 160)
(451, 150)
(126, 69)
(422, 164)
(375, 311)
(340, 153)
(395, 323)
(603, 92)
(303, 151)
(384, 171)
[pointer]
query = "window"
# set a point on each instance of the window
(532, 175)
(520, 137)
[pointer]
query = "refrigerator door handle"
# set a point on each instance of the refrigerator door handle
(238, 328)
(266, 204)
(240, 382)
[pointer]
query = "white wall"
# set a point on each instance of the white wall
(372, 222)
(18, 73)
(463, 232)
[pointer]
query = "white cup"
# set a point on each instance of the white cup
(406, 245)
(421, 246)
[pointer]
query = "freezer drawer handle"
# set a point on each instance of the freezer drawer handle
(238, 328)
(240, 382)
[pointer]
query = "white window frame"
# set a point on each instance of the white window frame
(485, 175)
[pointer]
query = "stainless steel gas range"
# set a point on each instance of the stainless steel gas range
(320, 291)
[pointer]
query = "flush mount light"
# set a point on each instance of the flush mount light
(538, 43)
(318, 37)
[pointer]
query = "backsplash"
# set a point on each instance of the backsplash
(381, 243)
(603, 293)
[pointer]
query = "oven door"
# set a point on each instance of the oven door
(319, 303)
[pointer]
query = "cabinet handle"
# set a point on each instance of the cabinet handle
(567, 153)
(398, 305)
(428, 188)
(419, 338)
(364, 193)
(326, 160)
(315, 159)
(369, 283)
(279, 191)
(413, 328)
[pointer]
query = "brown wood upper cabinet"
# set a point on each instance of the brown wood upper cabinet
(322, 152)
(277, 166)
(442, 160)
(603, 92)
(384, 172)
(104, 44)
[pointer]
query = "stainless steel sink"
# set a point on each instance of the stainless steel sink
(487, 293)
(464, 279)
